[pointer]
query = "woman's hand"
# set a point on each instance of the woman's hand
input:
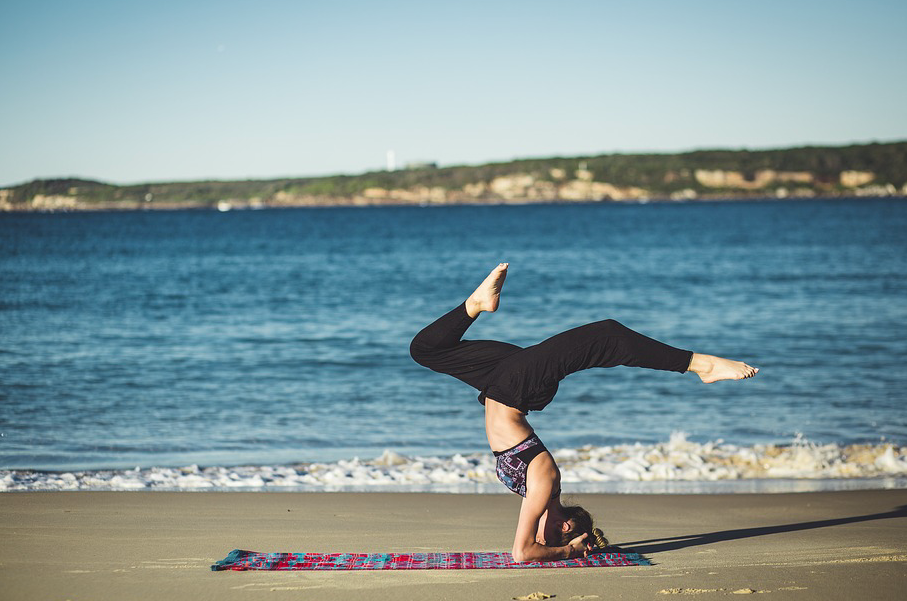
(578, 547)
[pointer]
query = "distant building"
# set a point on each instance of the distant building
(421, 165)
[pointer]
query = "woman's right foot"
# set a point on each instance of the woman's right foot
(712, 369)
(487, 296)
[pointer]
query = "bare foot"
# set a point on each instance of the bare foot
(487, 296)
(712, 369)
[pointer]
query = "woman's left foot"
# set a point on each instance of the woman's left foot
(487, 296)
(712, 369)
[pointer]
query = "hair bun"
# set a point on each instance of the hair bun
(599, 536)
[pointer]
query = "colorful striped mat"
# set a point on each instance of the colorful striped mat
(238, 559)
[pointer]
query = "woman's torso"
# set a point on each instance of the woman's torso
(507, 427)
(504, 426)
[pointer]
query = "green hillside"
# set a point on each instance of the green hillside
(874, 169)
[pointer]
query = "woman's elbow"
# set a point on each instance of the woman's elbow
(520, 554)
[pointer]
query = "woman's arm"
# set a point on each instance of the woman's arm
(543, 480)
(526, 548)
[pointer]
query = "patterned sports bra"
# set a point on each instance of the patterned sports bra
(513, 464)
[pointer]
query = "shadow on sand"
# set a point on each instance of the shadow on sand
(658, 545)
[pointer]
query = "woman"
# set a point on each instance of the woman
(514, 381)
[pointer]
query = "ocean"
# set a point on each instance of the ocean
(268, 349)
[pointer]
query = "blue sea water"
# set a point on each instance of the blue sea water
(277, 336)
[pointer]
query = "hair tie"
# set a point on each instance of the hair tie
(600, 540)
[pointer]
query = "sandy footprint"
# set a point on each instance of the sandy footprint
(167, 566)
(271, 586)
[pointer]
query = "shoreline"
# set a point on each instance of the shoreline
(674, 466)
(105, 545)
(658, 488)
(353, 203)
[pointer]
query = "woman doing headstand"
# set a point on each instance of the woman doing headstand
(512, 381)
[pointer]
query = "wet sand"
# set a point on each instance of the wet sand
(141, 545)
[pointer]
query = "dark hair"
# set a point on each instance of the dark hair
(580, 523)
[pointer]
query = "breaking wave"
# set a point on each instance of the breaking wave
(679, 465)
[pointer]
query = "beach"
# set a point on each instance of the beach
(153, 545)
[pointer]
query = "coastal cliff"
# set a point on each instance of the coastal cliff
(856, 170)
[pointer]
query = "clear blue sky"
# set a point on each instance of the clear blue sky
(126, 91)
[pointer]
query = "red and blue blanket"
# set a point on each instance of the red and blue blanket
(239, 559)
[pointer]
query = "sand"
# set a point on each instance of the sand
(143, 545)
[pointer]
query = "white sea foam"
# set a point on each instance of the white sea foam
(626, 468)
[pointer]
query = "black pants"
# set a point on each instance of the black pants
(527, 378)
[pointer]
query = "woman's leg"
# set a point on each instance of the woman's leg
(528, 379)
(605, 343)
(439, 346)
(609, 343)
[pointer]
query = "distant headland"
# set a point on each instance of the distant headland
(876, 169)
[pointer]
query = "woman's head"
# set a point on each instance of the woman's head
(577, 522)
